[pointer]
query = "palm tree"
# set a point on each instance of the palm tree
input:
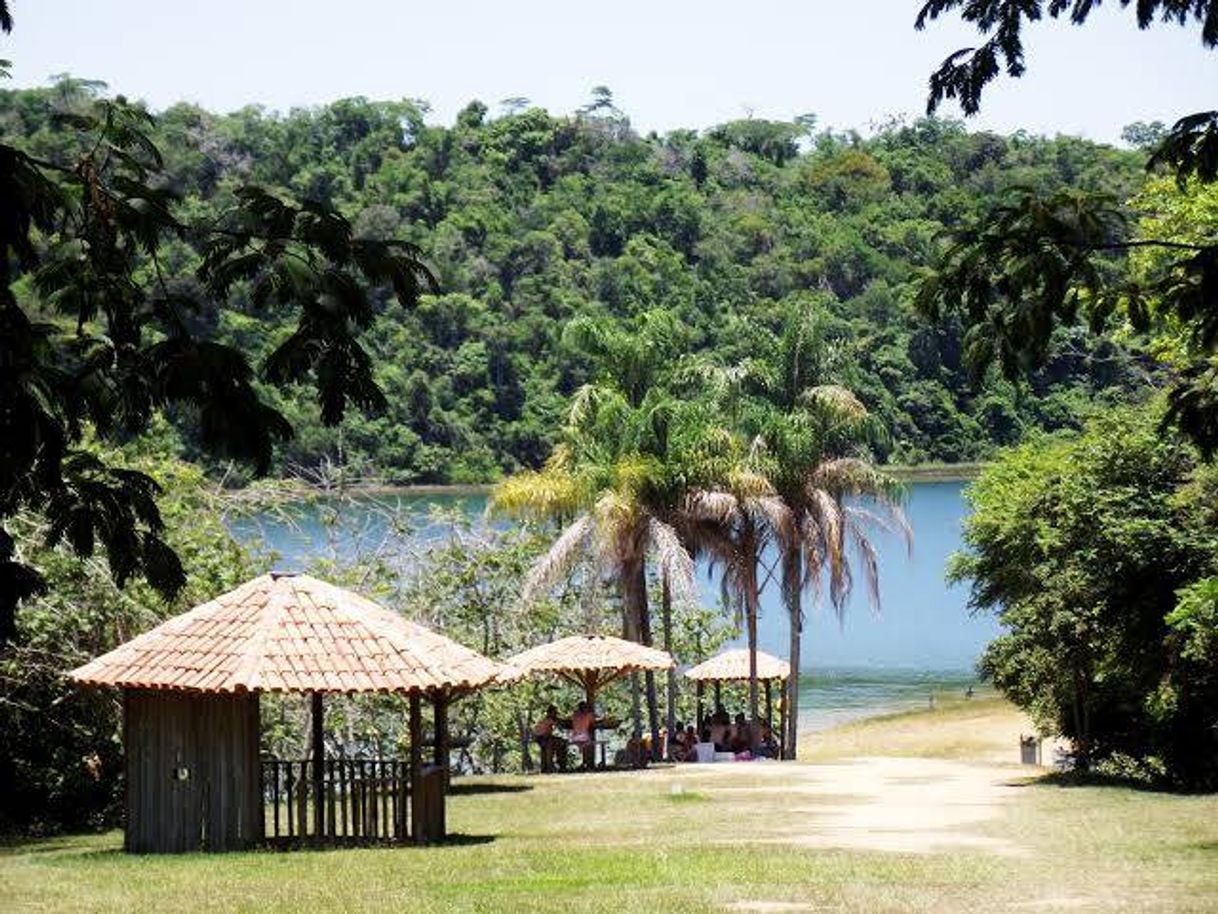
(808, 441)
(734, 523)
(614, 478)
(814, 438)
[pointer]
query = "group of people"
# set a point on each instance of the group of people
(553, 748)
(727, 735)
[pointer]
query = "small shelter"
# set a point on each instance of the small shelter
(590, 661)
(196, 778)
(733, 666)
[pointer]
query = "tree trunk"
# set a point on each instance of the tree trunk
(649, 676)
(671, 703)
(634, 607)
(748, 574)
(792, 590)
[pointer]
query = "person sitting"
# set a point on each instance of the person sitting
(764, 745)
(740, 736)
(676, 745)
(720, 730)
(551, 746)
(686, 745)
(583, 725)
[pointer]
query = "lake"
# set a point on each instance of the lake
(922, 639)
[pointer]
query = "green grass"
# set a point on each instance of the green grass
(637, 842)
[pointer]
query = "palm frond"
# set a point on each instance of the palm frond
(835, 402)
(562, 556)
(893, 520)
(871, 567)
(675, 562)
(712, 506)
(778, 518)
(541, 495)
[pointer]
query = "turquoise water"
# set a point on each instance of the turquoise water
(921, 640)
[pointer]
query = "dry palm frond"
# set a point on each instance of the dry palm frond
(811, 541)
(746, 483)
(712, 506)
(562, 556)
(893, 520)
(852, 476)
(871, 567)
(777, 517)
(675, 562)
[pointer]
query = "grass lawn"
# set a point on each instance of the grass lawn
(707, 838)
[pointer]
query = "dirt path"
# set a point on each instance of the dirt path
(912, 805)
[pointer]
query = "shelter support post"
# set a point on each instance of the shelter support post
(718, 696)
(416, 768)
(699, 713)
(440, 705)
(319, 762)
(769, 704)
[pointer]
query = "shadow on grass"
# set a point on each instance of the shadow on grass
(459, 790)
(1068, 779)
(459, 839)
(79, 845)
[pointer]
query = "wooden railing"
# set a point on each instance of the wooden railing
(362, 801)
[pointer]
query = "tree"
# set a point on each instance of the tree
(735, 520)
(616, 477)
(1097, 556)
(93, 336)
(61, 757)
(1034, 262)
(809, 442)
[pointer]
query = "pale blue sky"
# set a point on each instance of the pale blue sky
(670, 64)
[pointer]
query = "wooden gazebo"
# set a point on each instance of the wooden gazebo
(196, 778)
(733, 666)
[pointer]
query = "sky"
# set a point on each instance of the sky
(675, 64)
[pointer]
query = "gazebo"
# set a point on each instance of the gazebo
(590, 662)
(196, 778)
(733, 666)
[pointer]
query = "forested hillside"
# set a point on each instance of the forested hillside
(529, 219)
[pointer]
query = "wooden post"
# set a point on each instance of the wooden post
(319, 760)
(718, 696)
(441, 725)
(769, 705)
(783, 709)
(416, 769)
(699, 714)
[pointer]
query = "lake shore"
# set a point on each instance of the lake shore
(291, 488)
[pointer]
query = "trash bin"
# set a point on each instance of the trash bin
(1029, 750)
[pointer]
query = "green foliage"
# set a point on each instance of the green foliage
(530, 219)
(1037, 263)
(61, 751)
(1080, 546)
(110, 293)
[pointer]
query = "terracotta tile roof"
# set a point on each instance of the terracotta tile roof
(734, 665)
(585, 653)
(291, 633)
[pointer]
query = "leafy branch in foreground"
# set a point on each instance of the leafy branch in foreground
(1032, 264)
(92, 336)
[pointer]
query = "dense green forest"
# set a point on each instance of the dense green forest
(528, 219)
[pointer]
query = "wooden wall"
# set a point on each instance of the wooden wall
(214, 741)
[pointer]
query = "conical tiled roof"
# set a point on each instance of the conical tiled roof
(734, 665)
(291, 633)
(581, 653)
